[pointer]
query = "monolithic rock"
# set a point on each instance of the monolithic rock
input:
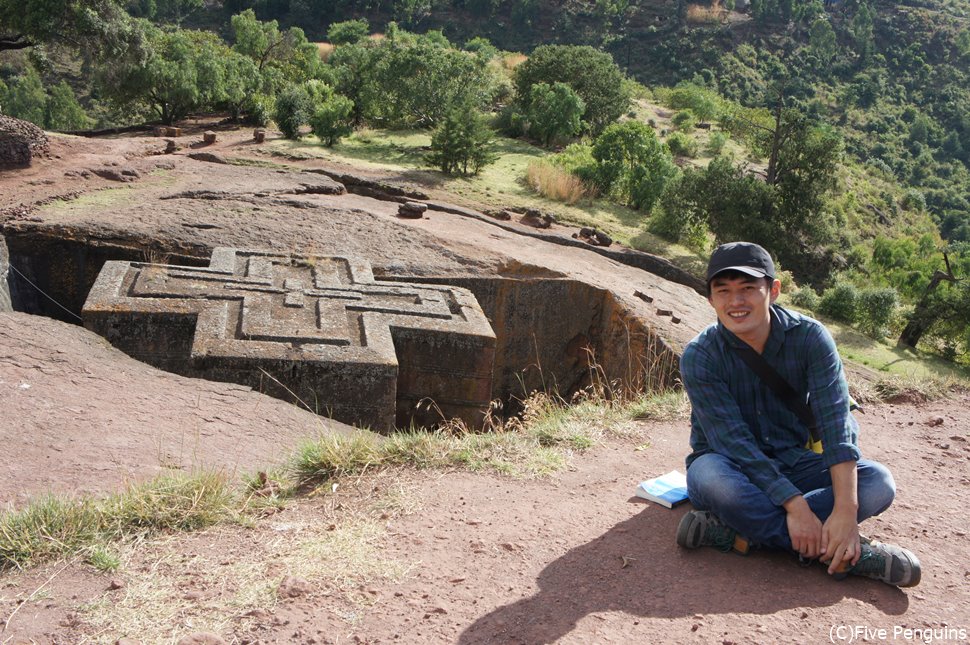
(4, 270)
(21, 142)
(317, 330)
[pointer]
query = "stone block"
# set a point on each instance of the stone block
(259, 135)
(173, 132)
(412, 210)
(208, 137)
(314, 329)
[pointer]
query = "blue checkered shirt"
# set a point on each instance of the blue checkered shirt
(736, 415)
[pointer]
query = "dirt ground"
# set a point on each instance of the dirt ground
(417, 557)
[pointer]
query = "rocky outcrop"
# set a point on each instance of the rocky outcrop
(5, 303)
(21, 142)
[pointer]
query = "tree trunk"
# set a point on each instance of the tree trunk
(923, 317)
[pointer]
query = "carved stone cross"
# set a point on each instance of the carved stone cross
(318, 329)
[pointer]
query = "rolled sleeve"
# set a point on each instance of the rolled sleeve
(830, 401)
(719, 426)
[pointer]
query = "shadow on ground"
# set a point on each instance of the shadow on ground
(665, 581)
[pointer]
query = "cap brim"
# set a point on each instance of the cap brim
(752, 271)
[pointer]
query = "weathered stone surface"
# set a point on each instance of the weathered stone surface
(412, 210)
(210, 157)
(318, 329)
(5, 302)
(208, 137)
(21, 142)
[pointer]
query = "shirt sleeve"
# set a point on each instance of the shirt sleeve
(830, 399)
(719, 417)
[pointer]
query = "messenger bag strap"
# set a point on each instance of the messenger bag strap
(770, 377)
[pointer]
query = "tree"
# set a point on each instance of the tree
(63, 112)
(100, 28)
(165, 11)
(331, 119)
(415, 80)
(590, 73)
(632, 163)
(462, 144)
(185, 70)
(821, 38)
(554, 112)
(25, 98)
(280, 56)
(348, 32)
(293, 107)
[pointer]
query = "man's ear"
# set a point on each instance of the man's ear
(775, 290)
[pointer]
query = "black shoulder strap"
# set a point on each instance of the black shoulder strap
(779, 386)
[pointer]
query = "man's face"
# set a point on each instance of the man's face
(743, 304)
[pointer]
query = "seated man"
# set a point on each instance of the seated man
(751, 474)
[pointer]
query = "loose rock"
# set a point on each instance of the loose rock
(412, 210)
(293, 587)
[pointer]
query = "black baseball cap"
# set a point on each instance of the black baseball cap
(741, 256)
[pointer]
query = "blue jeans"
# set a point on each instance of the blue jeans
(716, 484)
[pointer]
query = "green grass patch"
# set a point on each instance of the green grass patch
(537, 443)
(54, 527)
(94, 200)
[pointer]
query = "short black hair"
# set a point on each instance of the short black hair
(732, 274)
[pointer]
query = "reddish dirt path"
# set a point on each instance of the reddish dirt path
(494, 560)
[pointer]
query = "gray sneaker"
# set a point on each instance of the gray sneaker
(703, 528)
(887, 563)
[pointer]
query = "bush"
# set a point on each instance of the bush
(462, 144)
(841, 302)
(331, 120)
(348, 32)
(876, 309)
(684, 121)
(555, 182)
(914, 200)
(259, 108)
(682, 145)
(292, 110)
(715, 144)
(633, 163)
(577, 159)
(806, 298)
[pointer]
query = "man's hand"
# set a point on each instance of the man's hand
(840, 534)
(840, 539)
(804, 527)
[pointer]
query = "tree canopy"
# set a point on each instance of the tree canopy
(590, 73)
(98, 27)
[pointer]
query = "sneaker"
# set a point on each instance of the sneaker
(703, 528)
(887, 563)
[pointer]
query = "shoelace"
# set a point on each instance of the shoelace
(719, 536)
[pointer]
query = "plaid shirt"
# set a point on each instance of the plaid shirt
(736, 415)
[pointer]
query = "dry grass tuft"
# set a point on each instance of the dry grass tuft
(555, 183)
(700, 14)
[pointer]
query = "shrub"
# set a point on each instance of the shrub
(914, 200)
(555, 182)
(292, 110)
(259, 108)
(682, 145)
(331, 120)
(462, 144)
(554, 112)
(806, 298)
(348, 32)
(841, 302)
(715, 144)
(577, 159)
(876, 309)
(684, 121)
(633, 163)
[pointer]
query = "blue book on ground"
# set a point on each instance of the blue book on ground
(667, 490)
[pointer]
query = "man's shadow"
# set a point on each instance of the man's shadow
(662, 580)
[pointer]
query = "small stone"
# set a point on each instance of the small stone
(202, 638)
(412, 210)
(695, 627)
(192, 595)
(935, 421)
(208, 137)
(259, 135)
(664, 312)
(293, 587)
(116, 583)
(804, 615)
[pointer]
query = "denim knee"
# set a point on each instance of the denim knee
(877, 488)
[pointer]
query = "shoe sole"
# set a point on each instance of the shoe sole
(687, 531)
